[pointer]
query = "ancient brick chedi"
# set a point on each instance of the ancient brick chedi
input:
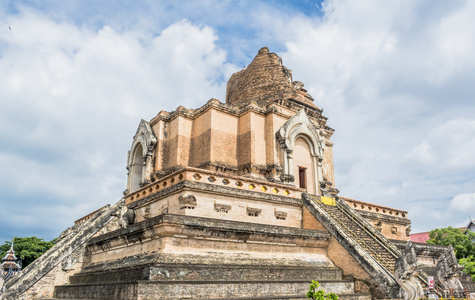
(233, 200)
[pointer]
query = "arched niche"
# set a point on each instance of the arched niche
(303, 164)
(299, 132)
(139, 158)
(136, 168)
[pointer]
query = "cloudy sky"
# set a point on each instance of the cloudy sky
(395, 78)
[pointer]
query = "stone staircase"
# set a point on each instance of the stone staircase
(71, 240)
(376, 254)
(377, 248)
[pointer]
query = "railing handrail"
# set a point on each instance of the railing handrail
(363, 226)
(382, 242)
(360, 242)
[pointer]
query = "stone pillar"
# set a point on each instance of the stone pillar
(316, 165)
(289, 167)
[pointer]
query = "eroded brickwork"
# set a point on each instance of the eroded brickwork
(309, 221)
(342, 259)
(263, 81)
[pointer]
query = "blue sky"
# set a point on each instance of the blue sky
(395, 79)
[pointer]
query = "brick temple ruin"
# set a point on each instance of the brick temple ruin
(237, 200)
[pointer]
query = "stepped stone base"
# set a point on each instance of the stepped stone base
(151, 277)
(201, 258)
(197, 289)
(356, 296)
(209, 273)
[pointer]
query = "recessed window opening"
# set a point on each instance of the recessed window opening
(137, 167)
(302, 178)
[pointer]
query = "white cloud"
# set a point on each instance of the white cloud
(394, 80)
(447, 147)
(71, 100)
(463, 203)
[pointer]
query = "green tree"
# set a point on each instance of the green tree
(315, 294)
(469, 265)
(462, 243)
(27, 249)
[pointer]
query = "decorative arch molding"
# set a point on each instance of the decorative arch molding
(139, 157)
(300, 126)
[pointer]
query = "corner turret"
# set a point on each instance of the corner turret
(10, 265)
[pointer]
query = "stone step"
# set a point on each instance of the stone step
(301, 297)
(365, 240)
(73, 240)
(168, 290)
(368, 246)
(356, 296)
(192, 272)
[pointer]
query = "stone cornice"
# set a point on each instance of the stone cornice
(213, 224)
(423, 248)
(217, 182)
(313, 113)
(378, 216)
(213, 189)
(371, 207)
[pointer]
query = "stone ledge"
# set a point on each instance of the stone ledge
(210, 259)
(379, 216)
(215, 189)
(204, 290)
(213, 273)
(176, 282)
(289, 103)
(215, 224)
(175, 176)
(424, 249)
(379, 209)
(355, 296)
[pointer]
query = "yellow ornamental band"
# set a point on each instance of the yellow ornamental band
(328, 201)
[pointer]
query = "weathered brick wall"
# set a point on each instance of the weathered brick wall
(187, 234)
(201, 140)
(309, 221)
(224, 129)
(59, 275)
(343, 259)
(265, 80)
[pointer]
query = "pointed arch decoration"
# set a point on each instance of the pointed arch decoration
(139, 157)
(300, 126)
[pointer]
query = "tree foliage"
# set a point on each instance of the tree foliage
(462, 243)
(315, 294)
(27, 249)
(469, 265)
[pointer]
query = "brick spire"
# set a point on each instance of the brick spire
(265, 80)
